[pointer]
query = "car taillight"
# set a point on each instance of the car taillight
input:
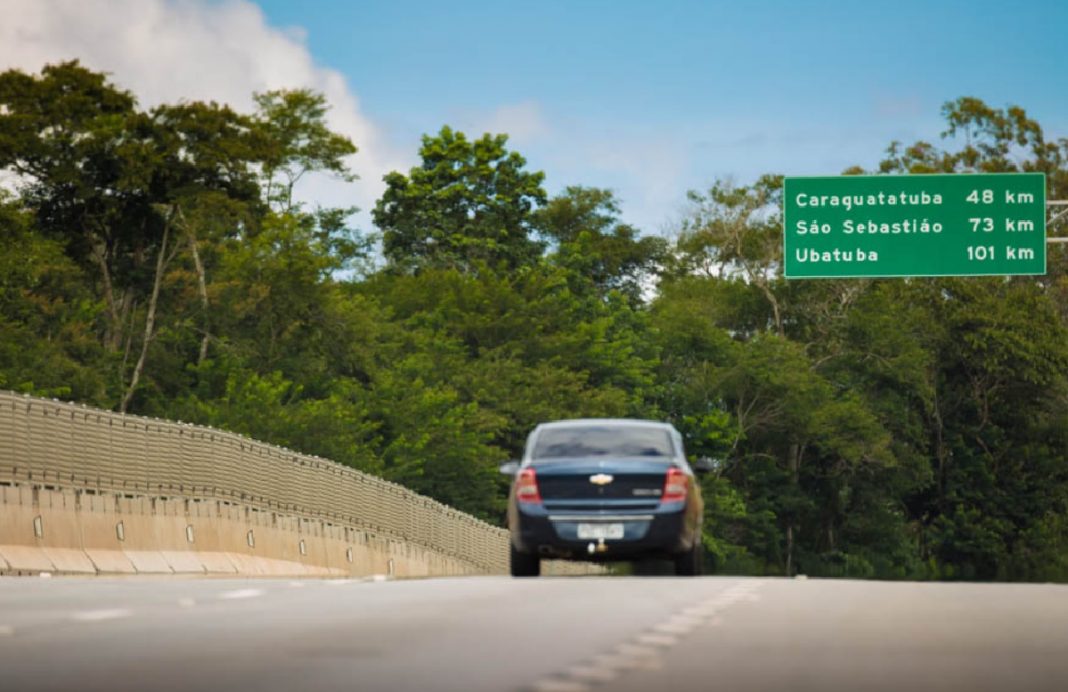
(526, 488)
(676, 486)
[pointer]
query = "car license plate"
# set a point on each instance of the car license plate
(598, 531)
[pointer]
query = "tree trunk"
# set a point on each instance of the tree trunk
(113, 334)
(776, 313)
(150, 320)
(941, 453)
(790, 549)
(793, 461)
(202, 290)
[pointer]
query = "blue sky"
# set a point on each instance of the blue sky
(648, 98)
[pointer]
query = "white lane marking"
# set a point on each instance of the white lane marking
(45, 575)
(635, 650)
(559, 686)
(241, 593)
(686, 620)
(297, 584)
(340, 582)
(7, 631)
(592, 673)
(377, 578)
(652, 663)
(645, 650)
(658, 639)
(673, 628)
(100, 615)
(608, 661)
(186, 602)
(646, 661)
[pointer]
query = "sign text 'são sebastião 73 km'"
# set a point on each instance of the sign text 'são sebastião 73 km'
(914, 225)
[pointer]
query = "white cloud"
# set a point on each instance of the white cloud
(523, 122)
(173, 50)
(645, 169)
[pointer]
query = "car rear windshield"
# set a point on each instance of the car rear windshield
(597, 441)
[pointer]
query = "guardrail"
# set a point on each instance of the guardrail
(52, 444)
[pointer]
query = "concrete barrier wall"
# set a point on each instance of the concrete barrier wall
(87, 491)
(80, 532)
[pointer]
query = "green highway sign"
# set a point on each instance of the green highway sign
(914, 225)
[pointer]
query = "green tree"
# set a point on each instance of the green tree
(759, 376)
(110, 182)
(995, 418)
(295, 140)
(590, 241)
(47, 313)
(468, 202)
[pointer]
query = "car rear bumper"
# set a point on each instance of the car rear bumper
(663, 532)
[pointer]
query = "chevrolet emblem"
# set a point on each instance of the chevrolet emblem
(601, 479)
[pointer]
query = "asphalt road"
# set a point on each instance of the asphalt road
(563, 634)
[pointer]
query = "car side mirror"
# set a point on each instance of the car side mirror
(706, 465)
(509, 468)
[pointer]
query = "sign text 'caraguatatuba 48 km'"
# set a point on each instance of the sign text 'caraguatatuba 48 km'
(914, 225)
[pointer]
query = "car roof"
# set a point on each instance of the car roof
(605, 422)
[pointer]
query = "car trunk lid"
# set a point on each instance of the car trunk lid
(617, 484)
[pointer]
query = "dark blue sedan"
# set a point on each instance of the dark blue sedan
(604, 490)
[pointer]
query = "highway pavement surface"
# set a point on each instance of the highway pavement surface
(538, 635)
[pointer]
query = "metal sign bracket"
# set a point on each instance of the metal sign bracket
(1061, 214)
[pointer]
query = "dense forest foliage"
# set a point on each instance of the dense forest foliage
(157, 262)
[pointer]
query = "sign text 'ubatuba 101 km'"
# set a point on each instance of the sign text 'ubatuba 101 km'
(914, 225)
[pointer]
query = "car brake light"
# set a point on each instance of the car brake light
(676, 486)
(526, 488)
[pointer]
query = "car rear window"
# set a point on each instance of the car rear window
(596, 441)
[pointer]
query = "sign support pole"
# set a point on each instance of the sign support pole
(1057, 217)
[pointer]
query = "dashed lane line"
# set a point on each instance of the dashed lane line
(551, 685)
(101, 615)
(644, 652)
(658, 639)
(238, 594)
